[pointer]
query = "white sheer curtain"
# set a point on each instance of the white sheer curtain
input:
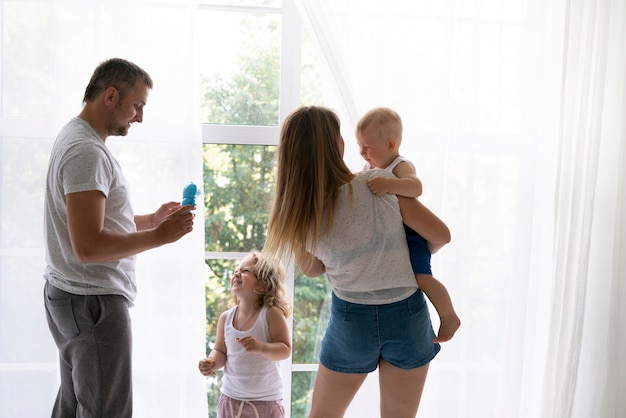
(588, 311)
(49, 50)
(514, 117)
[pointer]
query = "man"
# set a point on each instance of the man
(92, 237)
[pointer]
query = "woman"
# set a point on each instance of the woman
(334, 224)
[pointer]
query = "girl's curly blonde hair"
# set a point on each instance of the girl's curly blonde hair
(271, 277)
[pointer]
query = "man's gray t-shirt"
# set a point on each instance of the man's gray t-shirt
(80, 161)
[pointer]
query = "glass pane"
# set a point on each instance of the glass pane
(301, 392)
(22, 179)
(218, 299)
(31, 84)
(240, 67)
(311, 86)
(238, 186)
(310, 317)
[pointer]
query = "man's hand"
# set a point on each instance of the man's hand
(176, 225)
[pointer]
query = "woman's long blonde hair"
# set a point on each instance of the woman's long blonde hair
(310, 170)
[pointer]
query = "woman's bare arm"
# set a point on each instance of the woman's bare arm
(310, 265)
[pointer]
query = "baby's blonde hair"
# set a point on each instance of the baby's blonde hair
(270, 276)
(386, 121)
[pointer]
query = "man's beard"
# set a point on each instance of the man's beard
(114, 127)
(122, 130)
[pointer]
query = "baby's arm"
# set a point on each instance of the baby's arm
(405, 184)
(217, 358)
(279, 347)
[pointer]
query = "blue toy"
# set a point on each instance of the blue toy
(189, 194)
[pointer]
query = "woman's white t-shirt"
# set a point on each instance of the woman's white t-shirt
(365, 252)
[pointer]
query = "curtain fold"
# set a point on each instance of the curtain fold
(583, 367)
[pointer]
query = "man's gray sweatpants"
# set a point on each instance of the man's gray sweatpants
(94, 338)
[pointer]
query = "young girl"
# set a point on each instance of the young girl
(251, 338)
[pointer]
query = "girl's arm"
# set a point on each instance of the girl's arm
(280, 346)
(217, 358)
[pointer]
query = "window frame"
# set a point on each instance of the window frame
(289, 99)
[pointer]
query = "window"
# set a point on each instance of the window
(250, 80)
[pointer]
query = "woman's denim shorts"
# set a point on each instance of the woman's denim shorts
(358, 336)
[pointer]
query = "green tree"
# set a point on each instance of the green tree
(250, 95)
